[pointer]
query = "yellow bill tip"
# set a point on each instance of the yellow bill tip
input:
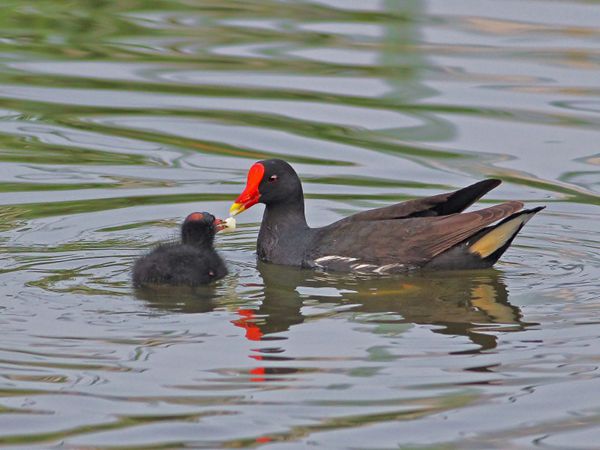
(236, 208)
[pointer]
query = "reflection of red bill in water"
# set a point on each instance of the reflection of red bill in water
(246, 321)
(258, 371)
(253, 333)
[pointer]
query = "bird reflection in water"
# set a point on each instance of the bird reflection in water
(462, 303)
(470, 304)
(183, 299)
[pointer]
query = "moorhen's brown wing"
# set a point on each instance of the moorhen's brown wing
(436, 205)
(397, 245)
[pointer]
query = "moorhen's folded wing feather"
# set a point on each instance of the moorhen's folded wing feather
(436, 205)
(412, 241)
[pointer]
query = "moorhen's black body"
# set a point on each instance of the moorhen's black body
(191, 262)
(422, 233)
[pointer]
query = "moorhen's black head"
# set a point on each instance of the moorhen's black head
(270, 182)
(199, 229)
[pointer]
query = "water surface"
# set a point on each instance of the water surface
(117, 119)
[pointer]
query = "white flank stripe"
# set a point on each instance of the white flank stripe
(323, 259)
(387, 267)
(363, 266)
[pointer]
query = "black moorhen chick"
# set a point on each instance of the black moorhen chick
(191, 262)
(421, 233)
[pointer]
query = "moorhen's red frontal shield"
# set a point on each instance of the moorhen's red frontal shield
(251, 195)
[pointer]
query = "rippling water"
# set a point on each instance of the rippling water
(117, 119)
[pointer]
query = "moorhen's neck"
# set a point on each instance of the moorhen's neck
(283, 234)
(286, 214)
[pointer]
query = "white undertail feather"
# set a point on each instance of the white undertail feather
(499, 236)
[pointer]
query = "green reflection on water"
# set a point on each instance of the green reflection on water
(79, 82)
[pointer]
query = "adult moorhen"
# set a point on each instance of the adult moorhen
(191, 262)
(421, 233)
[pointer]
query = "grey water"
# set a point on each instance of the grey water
(117, 119)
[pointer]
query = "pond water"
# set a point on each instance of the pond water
(117, 119)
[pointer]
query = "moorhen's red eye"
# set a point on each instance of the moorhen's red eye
(272, 178)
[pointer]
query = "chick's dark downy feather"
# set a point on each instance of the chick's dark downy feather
(191, 262)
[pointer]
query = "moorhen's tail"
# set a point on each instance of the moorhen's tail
(485, 247)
